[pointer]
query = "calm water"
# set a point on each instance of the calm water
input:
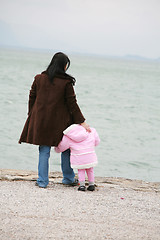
(120, 98)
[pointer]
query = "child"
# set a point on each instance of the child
(83, 156)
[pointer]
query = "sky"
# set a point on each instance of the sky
(103, 27)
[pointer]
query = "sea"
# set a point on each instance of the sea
(119, 97)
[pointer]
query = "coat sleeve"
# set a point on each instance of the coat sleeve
(32, 96)
(72, 104)
(63, 145)
(97, 139)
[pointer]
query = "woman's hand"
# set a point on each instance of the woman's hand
(86, 126)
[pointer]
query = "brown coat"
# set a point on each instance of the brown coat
(52, 108)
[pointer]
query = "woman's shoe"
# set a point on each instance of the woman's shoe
(82, 188)
(74, 183)
(91, 188)
(36, 184)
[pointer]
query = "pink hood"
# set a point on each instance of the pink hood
(76, 132)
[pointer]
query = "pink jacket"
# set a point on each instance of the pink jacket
(81, 144)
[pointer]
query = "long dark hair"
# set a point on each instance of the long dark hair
(56, 68)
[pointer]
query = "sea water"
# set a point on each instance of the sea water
(119, 97)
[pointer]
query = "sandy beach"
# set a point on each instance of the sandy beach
(119, 209)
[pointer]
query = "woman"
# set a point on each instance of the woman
(52, 108)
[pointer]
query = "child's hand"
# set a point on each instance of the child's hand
(86, 126)
(56, 149)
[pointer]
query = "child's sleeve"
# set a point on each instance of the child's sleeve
(97, 139)
(63, 145)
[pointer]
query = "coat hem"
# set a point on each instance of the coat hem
(84, 166)
(37, 144)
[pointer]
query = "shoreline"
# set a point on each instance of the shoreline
(56, 177)
(118, 209)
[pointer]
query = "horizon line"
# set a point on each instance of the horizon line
(126, 56)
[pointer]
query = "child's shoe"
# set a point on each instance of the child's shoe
(82, 188)
(91, 188)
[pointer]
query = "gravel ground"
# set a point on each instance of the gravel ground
(60, 212)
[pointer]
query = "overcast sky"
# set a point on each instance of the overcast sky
(108, 27)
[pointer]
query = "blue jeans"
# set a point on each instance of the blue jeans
(43, 166)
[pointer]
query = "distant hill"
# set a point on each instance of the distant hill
(136, 57)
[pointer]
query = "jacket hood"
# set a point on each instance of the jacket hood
(76, 132)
